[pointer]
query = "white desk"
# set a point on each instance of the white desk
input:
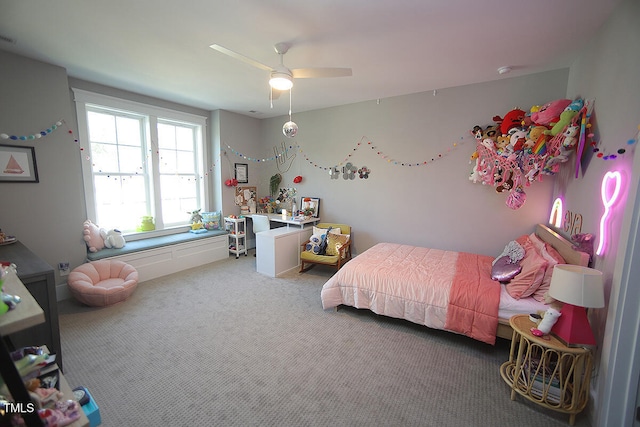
(299, 222)
(278, 249)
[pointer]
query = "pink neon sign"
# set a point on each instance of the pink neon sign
(609, 198)
(555, 218)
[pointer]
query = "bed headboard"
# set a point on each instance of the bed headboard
(563, 246)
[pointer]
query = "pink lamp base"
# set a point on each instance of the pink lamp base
(573, 328)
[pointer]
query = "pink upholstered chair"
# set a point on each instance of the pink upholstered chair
(103, 282)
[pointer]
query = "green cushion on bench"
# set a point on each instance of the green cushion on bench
(151, 243)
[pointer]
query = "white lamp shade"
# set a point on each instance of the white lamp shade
(577, 285)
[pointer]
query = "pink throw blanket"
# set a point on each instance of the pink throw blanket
(474, 299)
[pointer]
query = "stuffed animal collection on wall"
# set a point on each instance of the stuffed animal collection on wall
(520, 147)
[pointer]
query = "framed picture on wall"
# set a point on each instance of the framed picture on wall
(18, 164)
(310, 206)
(242, 172)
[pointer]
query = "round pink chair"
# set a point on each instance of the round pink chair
(103, 282)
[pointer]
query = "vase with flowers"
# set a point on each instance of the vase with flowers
(308, 212)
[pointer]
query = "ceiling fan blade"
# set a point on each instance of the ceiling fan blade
(240, 57)
(312, 73)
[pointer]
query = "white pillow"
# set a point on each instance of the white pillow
(320, 231)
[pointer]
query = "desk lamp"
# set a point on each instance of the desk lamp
(577, 287)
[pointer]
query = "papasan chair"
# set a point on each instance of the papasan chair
(103, 282)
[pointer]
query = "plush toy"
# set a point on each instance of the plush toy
(550, 112)
(507, 184)
(113, 239)
(583, 242)
(502, 142)
(490, 132)
(517, 139)
(570, 136)
(516, 198)
(565, 117)
(92, 236)
(474, 176)
(548, 320)
(512, 119)
(195, 216)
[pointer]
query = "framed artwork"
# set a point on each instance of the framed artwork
(311, 205)
(242, 172)
(18, 164)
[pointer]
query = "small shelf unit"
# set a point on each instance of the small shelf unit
(237, 228)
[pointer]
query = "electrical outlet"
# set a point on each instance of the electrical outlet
(63, 268)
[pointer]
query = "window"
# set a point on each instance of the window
(142, 161)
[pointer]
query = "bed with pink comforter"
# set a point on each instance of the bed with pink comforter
(440, 289)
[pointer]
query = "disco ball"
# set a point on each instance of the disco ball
(290, 129)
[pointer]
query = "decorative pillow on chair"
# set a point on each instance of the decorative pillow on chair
(335, 242)
(314, 244)
(317, 231)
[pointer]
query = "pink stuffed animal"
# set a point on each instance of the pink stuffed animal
(550, 112)
(92, 236)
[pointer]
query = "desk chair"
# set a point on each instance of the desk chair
(260, 223)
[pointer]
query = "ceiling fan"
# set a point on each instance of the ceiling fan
(281, 77)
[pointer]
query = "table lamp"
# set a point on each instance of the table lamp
(577, 287)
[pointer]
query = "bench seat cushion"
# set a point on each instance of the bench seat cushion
(152, 243)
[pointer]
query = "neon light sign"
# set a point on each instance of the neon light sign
(555, 218)
(608, 200)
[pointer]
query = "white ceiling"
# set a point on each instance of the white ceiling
(161, 48)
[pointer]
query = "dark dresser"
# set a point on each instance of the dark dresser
(39, 279)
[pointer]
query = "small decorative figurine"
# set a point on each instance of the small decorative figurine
(548, 320)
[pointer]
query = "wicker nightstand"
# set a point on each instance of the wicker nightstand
(546, 371)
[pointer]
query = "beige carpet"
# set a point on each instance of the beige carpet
(221, 345)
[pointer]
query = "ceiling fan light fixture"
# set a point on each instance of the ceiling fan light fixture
(281, 81)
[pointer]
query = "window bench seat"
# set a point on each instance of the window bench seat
(162, 255)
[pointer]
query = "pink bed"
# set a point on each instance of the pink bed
(445, 290)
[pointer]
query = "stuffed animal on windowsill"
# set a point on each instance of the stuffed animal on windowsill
(113, 239)
(92, 235)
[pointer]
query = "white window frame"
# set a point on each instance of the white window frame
(153, 114)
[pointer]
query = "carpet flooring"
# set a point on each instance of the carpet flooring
(221, 345)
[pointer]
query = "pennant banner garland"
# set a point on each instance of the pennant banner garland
(363, 141)
(516, 151)
(36, 135)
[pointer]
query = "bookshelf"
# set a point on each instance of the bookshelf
(545, 371)
(27, 314)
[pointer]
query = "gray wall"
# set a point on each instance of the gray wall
(607, 71)
(46, 216)
(432, 205)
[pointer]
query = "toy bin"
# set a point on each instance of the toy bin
(92, 411)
